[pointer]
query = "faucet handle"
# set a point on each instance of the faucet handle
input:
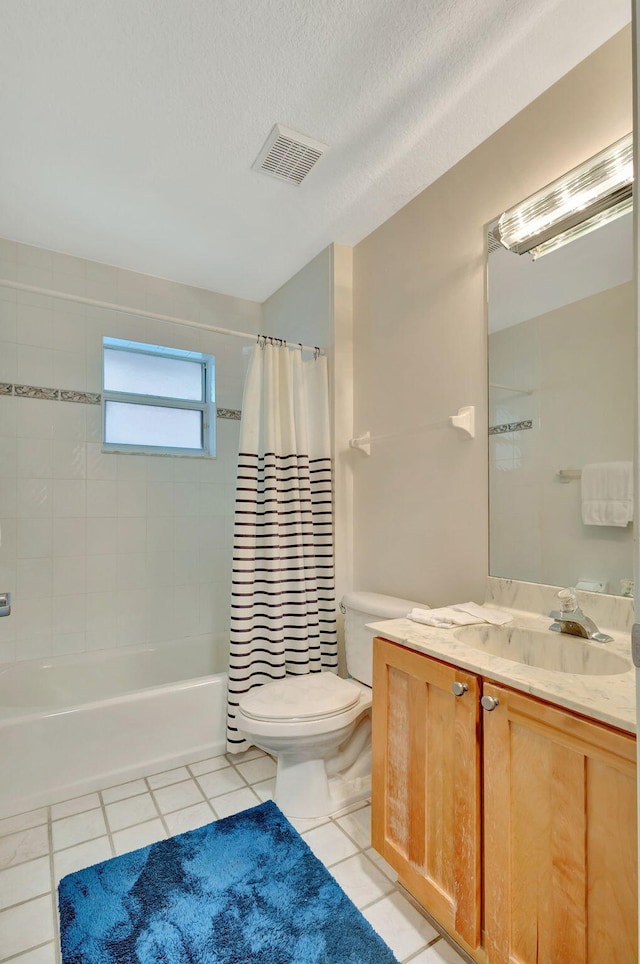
(568, 600)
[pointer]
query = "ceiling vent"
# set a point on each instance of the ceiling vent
(288, 155)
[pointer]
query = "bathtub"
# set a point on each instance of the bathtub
(73, 724)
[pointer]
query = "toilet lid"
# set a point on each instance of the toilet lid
(310, 697)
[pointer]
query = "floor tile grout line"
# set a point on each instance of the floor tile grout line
(65, 816)
(242, 776)
(206, 772)
(25, 813)
(21, 863)
(195, 780)
(133, 826)
(350, 836)
(36, 947)
(25, 900)
(362, 853)
(247, 786)
(177, 809)
(54, 902)
(425, 947)
(375, 901)
(164, 785)
(71, 816)
(139, 793)
(80, 843)
(157, 809)
(11, 833)
(105, 817)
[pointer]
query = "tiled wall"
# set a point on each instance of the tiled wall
(104, 550)
(579, 362)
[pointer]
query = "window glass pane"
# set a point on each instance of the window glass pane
(135, 373)
(152, 425)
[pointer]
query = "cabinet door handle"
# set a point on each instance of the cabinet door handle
(489, 703)
(459, 689)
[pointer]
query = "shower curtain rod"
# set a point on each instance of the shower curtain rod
(94, 303)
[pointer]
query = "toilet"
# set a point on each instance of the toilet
(319, 725)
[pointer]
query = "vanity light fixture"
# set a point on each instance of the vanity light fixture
(592, 194)
(597, 221)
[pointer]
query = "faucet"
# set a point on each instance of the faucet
(571, 620)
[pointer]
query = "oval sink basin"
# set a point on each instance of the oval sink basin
(559, 653)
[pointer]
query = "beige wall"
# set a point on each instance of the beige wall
(420, 500)
(302, 309)
(579, 362)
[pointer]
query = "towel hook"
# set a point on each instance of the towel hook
(465, 421)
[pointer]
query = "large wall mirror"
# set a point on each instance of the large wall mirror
(561, 397)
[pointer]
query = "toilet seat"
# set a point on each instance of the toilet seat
(317, 696)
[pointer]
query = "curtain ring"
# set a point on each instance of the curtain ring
(300, 346)
(316, 353)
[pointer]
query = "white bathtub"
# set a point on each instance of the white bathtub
(73, 724)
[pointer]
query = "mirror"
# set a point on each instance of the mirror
(561, 396)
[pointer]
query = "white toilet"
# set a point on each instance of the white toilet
(319, 725)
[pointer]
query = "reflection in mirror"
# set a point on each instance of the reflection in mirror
(561, 397)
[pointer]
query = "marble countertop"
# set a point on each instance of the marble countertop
(610, 699)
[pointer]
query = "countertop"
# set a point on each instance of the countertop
(610, 699)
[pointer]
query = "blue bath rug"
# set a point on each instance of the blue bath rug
(243, 890)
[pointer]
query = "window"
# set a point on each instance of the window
(157, 399)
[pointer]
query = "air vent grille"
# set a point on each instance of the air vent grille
(288, 155)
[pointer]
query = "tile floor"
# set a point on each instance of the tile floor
(40, 847)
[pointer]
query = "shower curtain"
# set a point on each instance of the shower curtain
(283, 620)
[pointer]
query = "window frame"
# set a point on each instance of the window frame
(206, 405)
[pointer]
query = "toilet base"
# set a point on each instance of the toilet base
(304, 790)
(323, 765)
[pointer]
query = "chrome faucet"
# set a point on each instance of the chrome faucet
(571, 620)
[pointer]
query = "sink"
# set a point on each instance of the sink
(545, 650)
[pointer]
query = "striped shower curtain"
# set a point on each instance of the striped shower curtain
(283, 599)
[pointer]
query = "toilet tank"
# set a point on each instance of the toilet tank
(359, 609)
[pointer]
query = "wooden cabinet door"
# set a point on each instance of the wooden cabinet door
(560, 836)
(426, 783)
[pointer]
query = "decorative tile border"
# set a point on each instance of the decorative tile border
(510, 427)
(84, 398)
(87, 398)
(32, 391)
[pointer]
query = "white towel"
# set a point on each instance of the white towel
(462, 614)
(497, 617)
(607, 494)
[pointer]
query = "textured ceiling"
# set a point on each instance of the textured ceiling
(129, 126)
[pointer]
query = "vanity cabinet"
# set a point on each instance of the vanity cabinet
(560, 864)
(426, 783)
(551, 795)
